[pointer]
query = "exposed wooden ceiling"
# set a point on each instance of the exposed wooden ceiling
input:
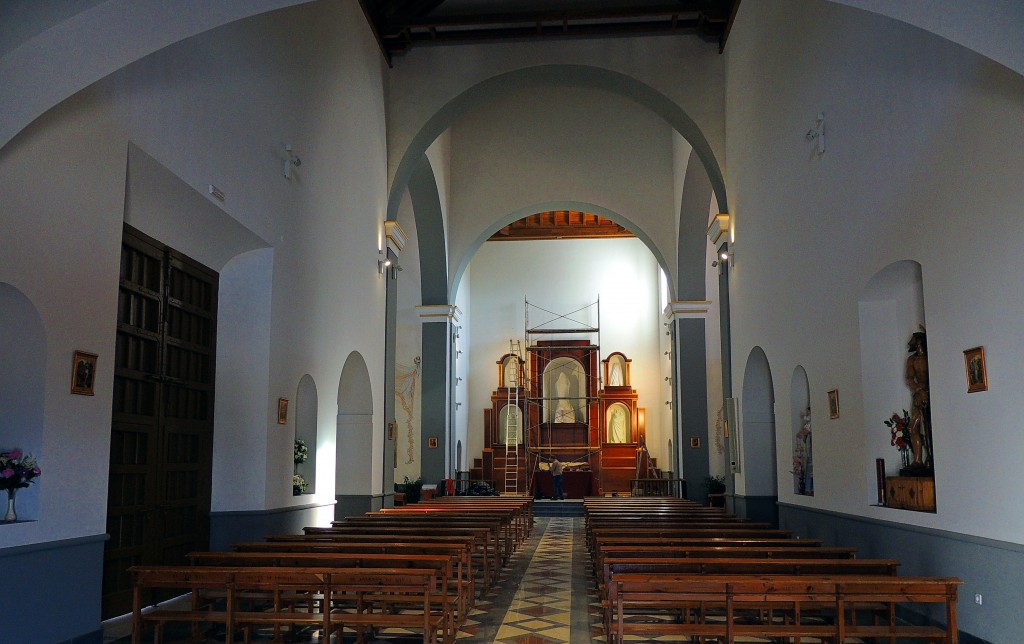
(403, 24)
(561, 224)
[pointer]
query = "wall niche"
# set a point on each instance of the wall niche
(893, 367)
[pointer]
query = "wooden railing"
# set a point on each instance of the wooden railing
(658, 487)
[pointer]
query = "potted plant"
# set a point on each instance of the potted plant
(301, 454)
(715, 486)
(412, 489)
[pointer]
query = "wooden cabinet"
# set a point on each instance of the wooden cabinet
(910, 493)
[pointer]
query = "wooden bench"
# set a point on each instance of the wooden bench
(661, 532)
(441, 563)
(481, 538)
(521, 506)
(823, 607)
(246, 597)
(710, 542)
(659, 551)
(614, 566)
(460, 554)
(502, 538)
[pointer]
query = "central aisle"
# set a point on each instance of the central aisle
(545, 593)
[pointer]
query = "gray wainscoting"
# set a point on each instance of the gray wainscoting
(252, 525)
(67, 574)
(994, 569)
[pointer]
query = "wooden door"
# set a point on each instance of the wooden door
(161, 448)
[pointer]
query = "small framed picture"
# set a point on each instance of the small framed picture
(432, 442)
(83, 373)
(282, 411)
(833, 404)
(977, 373)
(695, 442)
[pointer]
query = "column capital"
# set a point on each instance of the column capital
(438, 313)
(687, 309)
(719, 229)
(396, 237)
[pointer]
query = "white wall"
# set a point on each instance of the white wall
(563, 276)
(215, 109)
(551, 145)
(686, 70)
(923, 163)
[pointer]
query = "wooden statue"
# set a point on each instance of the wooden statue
(920, 416)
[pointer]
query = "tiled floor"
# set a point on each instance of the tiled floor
(545, 595)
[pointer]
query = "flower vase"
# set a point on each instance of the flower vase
(905, 456)
(12, 513)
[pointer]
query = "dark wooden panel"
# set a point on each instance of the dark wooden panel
(161, 448)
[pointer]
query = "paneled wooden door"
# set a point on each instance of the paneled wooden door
(161, 448)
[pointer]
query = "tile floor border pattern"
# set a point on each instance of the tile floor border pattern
(535, 603)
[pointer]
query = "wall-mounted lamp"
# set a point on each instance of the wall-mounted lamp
(817, 133)
(723, 257)
(291, 160)
(382, 262)
(458, 404)
(458, 378)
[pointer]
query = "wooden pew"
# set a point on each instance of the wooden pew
(670, 550)
(461, 554)
(832, 602)
(661, 532)
(523, 505)
(515, 526)
(503, 536)
(497, 536)
(440, 563)
(612, 568)
(481, 538)
(245, 597)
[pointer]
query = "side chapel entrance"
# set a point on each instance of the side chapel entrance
(161, 447)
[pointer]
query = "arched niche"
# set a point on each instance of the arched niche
(891, 309)
(617, 369)
(503, 420)
(306, 405)
(22, 384)
(758, 434)
(618, 423)
(512, 370)
(354, 456)
(800, 415)
(564, 391)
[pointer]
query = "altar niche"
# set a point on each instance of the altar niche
(563, 381)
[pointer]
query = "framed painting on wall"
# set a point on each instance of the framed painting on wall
(282, 411)
(977, 373)
(833, 404)
(83, 373)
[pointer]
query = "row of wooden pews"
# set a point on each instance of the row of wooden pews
(670, 567)
(417, 568)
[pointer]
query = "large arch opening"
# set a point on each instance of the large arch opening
(354, 456)
(758, 439)
(409, 174)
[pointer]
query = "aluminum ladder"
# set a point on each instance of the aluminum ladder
(512, 428)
